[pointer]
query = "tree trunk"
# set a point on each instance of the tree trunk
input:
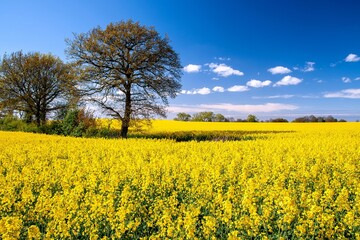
(38, 121)
(125, 123)
(43, 118)
(38, 117)
(124, 130)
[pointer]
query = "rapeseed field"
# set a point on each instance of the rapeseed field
(300, 182)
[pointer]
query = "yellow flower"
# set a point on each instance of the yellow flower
(10, 228)
(304, 181)
(34, 232)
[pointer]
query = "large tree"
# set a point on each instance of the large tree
(129, 70)
(35, 84)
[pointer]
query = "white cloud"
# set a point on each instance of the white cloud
(218, 89)
(276, 96)
(347, 93)
(268, 107)
(223, 70)
(238, 88)
(279, 70)
(282, 96)
(257, 83)
(201, 91)
(223, 58)
(309, 67)
(215, 78)
(288, 80)
(357, 79)
(352, 58)
(186, 108)
(346, 80)
(192, 68)
(310, 97)
(259, 108)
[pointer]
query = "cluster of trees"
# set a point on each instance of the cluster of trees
(126, 69)
(212, 117)
(201, 117)
(313, 118)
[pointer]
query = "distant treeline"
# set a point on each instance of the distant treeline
(313, 118)
(212, 117)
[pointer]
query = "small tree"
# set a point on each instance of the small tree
(219, 118)
(182, 116)
(129, 70)
(35, 84)
(77, 121)
(330, 119)
(278, 120)
(252, 118)
(203, 117)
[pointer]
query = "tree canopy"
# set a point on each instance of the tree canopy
(129, 70)
(182, 116)
(35, 84)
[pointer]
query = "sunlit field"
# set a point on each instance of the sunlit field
(287, 180)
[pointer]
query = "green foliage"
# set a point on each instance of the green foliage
(252, 118)
(182, 116)
(12, 123)
(278, 120)
(203, 117)
(219, 118)
(76, 122)
(186, 136)
(313, 118)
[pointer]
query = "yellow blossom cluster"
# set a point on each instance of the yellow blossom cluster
(300, 184)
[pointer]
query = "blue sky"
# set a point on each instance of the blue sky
(269, 58)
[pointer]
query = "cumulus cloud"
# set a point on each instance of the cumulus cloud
(192, 68)
(258, 84)
(347, 93)
(201, 91)
(346, 80)
(279, 70)
(238, 88)
(288, 80)
(352, 58)
(223, 70)
(258, 108)
(218, 89)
